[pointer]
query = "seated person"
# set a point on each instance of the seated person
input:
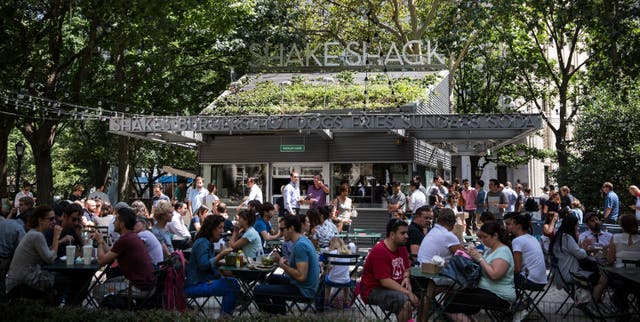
(301, 269)
(71, 229)
(263, 225)
(421, 219)
(176, 226)
(496, 287)
(132, 255)
(162, 215)
(625, 246)
(154, 248)
(564, 247)
(197, 220)
(327, 230)
(386, 279)
(594, 240)
(440, 240)
(527, 255)
(203, 278)
(32, 252)
(249, 242)
(11, 233)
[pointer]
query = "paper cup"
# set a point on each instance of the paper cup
(87, 252)
(71, 254)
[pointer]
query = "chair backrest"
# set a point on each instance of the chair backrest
(627, 262)
(355, 260)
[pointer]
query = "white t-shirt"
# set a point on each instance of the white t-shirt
(339, 273)
(532, 257)
(417, 200)
(437, 242)
(177, 227)
(19, 195)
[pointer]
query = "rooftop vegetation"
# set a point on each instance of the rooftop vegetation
(305, 95)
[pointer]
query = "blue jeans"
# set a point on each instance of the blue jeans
(271, 297)
(226, 287)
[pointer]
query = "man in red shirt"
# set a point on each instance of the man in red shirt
(131, 253)
(386, 275)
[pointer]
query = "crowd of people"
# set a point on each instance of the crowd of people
(420, 230)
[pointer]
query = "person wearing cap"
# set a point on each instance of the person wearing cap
(132, 255)
(397, 201)
(594, 239)
(154, 248)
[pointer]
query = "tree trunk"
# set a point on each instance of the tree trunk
(41, 141)
(123, 168)
(6, 125)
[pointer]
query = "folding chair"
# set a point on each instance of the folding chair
(386, 315)
(567, 286)
(628, 262)
(200, 302)
(595, 311)
(338, 260)
(529, 298)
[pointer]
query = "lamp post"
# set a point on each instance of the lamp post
(19, 154)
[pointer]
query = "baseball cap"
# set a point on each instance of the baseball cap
(545, 188)
(120, 205)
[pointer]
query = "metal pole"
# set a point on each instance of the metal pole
(18, 168)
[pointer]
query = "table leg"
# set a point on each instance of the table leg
(426, 299)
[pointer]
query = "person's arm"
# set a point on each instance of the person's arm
(454, 248)
(504, 202)
(517, 262)
(105, 255)
(573, 249)
(299, 273)
(235, 242)
(55, 242)
(267, 236)
(494, 270)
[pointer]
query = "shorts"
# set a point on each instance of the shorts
(388, 300)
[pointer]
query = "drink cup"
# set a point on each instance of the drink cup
(87, 252)
(71, 254)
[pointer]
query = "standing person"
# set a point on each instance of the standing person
(566, 197)
(317, 192)
(386, 277)
(553, 205)
(291, 195)
(76, 193)
(542, 200)
(469, 194)
(611, 204)
(496, 200)
(180, 193)
(211, 198)
(417, 198)
(481, 198)
(301, 268)
(25, 192)
(158, 195)
(203, 277)
(32, 252)
(421, 187)
(397, 200)
(255, 193)
(531, 205)
(343, 205)
(196, 196)
(634, 191)
(512, 197)
(421, 220)
(437, 192)
(521, 198)
(177, 227)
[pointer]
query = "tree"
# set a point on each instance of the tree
(606, 144)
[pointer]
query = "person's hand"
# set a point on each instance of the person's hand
(406, 283)
(474, 253)
(226, 251)
(282, 262)
(633, 207)
(276, 257)
(586, 243)
(413, 299)
(68, 239)
(97, 236)
(57, 231)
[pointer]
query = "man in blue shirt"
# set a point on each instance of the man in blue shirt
(291, 195)
(611, 204)
(302, 271)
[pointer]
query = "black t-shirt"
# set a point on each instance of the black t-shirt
(416, 234)
(48, 235)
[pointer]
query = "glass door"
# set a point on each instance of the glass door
(280, 177)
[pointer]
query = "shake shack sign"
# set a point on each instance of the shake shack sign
(369, 122)
(333, 53)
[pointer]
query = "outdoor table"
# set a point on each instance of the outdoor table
(248, 278)
(82, 274)
(427, 292)
(274, 243)
(630, 274)
(372, 236)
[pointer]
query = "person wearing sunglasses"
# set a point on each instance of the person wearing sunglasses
(71, 228)
(32, 252)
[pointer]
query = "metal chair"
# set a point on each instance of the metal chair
(595, 311)
(528, 298)
(338, 260)
(567, 286)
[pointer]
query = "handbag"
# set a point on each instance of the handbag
(588, 264)
(463, 270)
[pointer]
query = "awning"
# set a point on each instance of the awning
(180, 172)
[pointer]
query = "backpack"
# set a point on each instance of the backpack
(174, 298)
(531, 205)
(463, 270)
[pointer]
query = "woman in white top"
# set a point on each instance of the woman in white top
(496, 287)
(564, 247)
(250, 241)
(624, 246)
(635, 192)
(338, 274)
(528, 257)
(343, 206)
(32, 252)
